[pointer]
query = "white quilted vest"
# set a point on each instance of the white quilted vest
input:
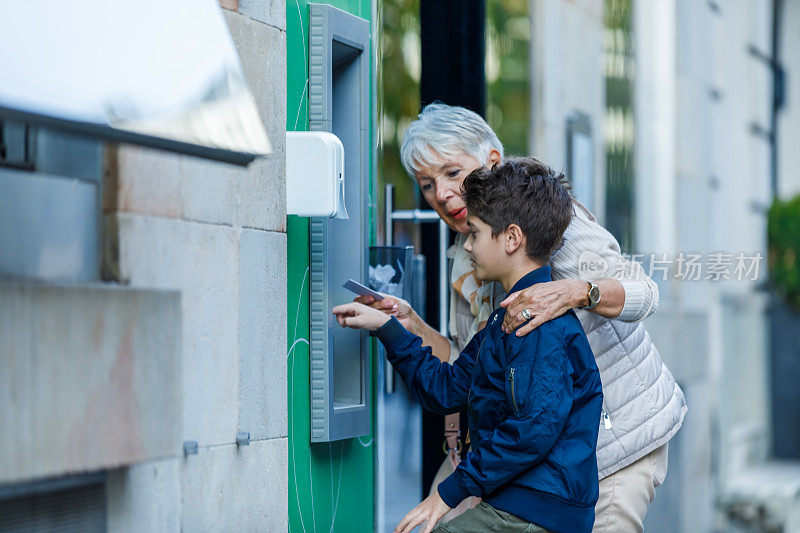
(643, 404)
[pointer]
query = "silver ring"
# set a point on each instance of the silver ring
(526, 314)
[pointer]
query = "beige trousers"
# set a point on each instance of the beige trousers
(447, 467)
(626, 494)
(624, 498)
(484, 518)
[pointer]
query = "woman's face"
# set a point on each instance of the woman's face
(440, 184)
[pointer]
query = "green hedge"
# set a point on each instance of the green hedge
(783, 234)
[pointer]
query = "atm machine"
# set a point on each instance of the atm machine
(327, 172)
(337, 147)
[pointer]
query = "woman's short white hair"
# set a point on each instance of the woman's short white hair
(445, 130)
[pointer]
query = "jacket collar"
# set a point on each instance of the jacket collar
(540, 275)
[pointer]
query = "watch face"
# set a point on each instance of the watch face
(594, 294)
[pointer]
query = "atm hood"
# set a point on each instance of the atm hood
(148, 72)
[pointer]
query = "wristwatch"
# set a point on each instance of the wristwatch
(593, 294)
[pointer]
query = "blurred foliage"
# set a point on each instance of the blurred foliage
(783, 237)
(508, 102)
(398, 91)
(507, 75)
(620, 172)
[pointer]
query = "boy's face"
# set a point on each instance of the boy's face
(488, 253)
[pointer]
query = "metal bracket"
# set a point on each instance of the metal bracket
(190, 447)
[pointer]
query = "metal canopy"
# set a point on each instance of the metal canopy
(160, 74)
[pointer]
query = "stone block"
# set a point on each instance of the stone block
(694, 53)
(272, 12)
(232, 5)
(765, 497)
(685, 501)
(583, 86)
(201, 261)
(549, 143)
(209, 191)
(142, 180)
(760, 95)
(789, 117)
(90, 378)
(237, 488)
(548, 101)
(682, 339)
(592, 8)
(694, 217)
(148, 181)
(743, 378)
(145, 497)
(694, 109)
(262, 50)
(262, 334)
(695, 445)
(757, 16)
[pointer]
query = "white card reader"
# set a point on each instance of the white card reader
(315, 174)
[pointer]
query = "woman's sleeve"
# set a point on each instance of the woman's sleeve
(454, 353)
(587, 241)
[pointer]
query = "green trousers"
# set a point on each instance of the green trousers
(484, 517)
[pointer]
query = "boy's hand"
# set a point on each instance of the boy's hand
(430, 510)
(359, 316)
(393, 306)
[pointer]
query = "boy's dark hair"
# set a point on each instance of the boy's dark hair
(526, 192)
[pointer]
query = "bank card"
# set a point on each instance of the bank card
(361, 290)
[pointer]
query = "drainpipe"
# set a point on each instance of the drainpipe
(778, 92)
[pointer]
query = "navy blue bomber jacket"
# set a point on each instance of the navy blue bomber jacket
(534, 407)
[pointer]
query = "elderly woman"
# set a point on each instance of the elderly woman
(643, 407)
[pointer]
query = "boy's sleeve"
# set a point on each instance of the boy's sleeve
(537, 414)
(439, 387)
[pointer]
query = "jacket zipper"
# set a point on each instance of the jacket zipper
(605, 418)
(478, 355)
(513, 395)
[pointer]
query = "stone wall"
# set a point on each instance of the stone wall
(215, 233)
(90, 378)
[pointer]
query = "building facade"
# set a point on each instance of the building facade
(150, 394)
(155, 311)
(679, 97)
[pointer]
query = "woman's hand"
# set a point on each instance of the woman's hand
(430, 510)
(359, 316)
(393, 306)
(544, 301)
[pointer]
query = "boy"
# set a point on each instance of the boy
(533, 402)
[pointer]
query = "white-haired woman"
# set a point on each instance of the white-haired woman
(643, 407)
